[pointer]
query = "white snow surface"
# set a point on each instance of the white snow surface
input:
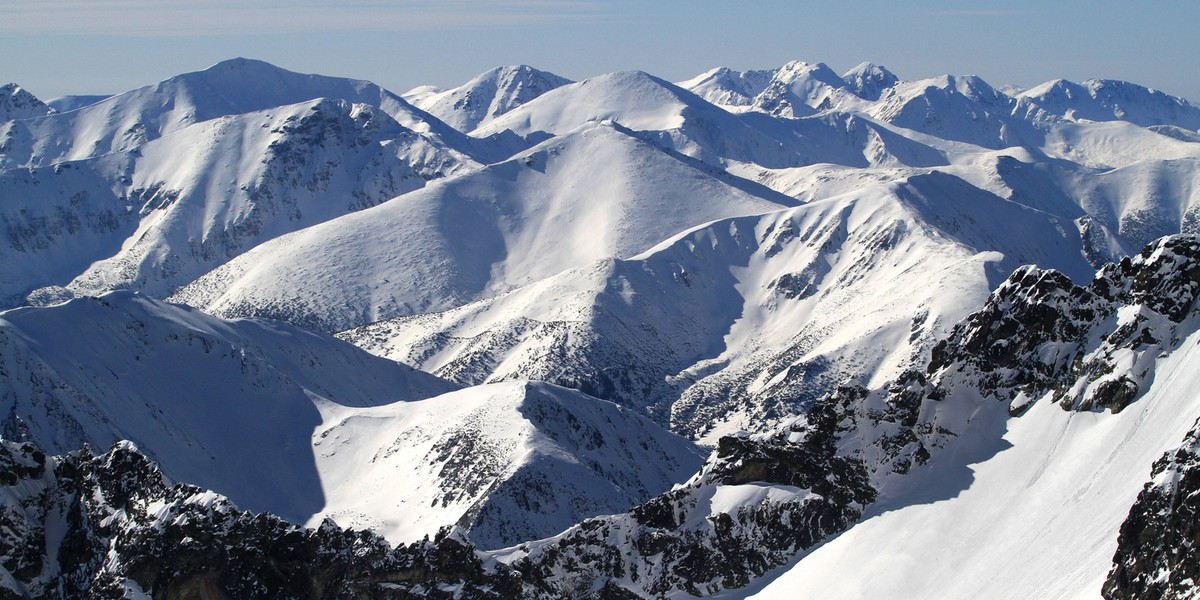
(1033, 514)
(479, 234)
(491, 94)
(511, 462)
(734, 309)
(308, 427)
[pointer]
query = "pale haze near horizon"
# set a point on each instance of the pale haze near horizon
(55, 48)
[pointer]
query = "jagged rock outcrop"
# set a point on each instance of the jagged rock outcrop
(1094, 347)
(106, 526)
(1158, 552)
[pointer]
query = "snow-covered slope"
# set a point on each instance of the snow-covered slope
(728, 88)
(504, 462)
(869, 81)
(679, 120)
(231, 405)
(748, 319)
(485, 97)
(159, 217)
(308, 427)
(987, 515)
(76, 101)
(479, 234)
(1106, 100)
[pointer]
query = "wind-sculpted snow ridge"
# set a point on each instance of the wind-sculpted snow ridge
(1157, 555)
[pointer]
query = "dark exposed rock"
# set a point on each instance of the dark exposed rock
(1158, 551)
(120, 525)
(1040, 333)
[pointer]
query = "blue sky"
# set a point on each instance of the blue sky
(56, 47)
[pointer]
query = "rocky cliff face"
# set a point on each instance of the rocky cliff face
(1093, 347)
(1157, 553)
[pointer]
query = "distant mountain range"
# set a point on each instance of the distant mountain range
(908, 322)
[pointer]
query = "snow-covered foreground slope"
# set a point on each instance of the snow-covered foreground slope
(991, 513)
(308, 427)
(1039, 518)
(748, 319)
(469, 237)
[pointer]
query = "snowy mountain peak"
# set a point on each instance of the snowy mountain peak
(798, 69)
(17, 103)
(799, 89)
(868, 80)
(1106, 100)
(487, 96)
(725, 87)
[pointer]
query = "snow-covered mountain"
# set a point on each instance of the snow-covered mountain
(230, 405)
(485, 97)
(988, 480)
(160, 216)
(308, 427)
(17, 103)
(882, 303)
(751, 318)
(480, 234)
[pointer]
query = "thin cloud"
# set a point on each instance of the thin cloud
(154, 18)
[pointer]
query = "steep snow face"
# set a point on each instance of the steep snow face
(487, 96)
(16, 103)
(505, 462)
(231, 405)
(129, 120)
(750, 319)
(189, 201)
(479, 234)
